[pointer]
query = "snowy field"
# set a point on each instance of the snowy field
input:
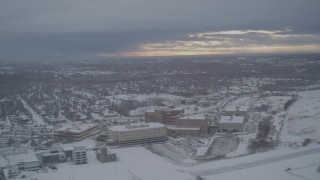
(186, 152)
(303, 119)
(134, 163)
(137, 163)
(262, 165)
(302, 168)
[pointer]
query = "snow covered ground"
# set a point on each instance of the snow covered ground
(244, 101)
(189, 152)
(303, 167)
(303, 119)
(134, 163)
(281, 158)
(137, 163)
(177, 160)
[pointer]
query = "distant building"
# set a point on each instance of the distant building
(164, 115)
(79, 155)
(2, 124)
(237, 111)
(189, 126)
(77, 131)
(231, 123)
(109, 115)
(204, 103)
(137, 133)
(103, 155)
(13, 172)
(189, 101)
(177, 123)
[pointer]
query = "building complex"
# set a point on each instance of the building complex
(177, 123)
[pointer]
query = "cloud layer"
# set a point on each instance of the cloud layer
(167, 27)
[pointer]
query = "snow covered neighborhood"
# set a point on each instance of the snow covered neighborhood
(183, 124)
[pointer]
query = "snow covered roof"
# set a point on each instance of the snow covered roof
(28, 158)
(194, 117)
(231, 119)
(76, 127)
(172, 127)
(136, 126)
(236, 108)
(243, 108)
(230, 108)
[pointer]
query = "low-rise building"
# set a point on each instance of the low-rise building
(103, 155)
(189, 101)
(55, 155)
(237, 111)
(29, 164)
(137, 133)
(77, 131)
(231, 123)
(109, 115)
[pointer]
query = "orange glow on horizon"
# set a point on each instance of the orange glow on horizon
(217, 51)
(229, 42)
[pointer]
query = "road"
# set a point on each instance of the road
(35, 117)
(246, 165)
(285, 120)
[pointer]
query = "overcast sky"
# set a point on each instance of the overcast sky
(163, 27)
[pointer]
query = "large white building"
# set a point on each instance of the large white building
(137, 133)
(231, 123)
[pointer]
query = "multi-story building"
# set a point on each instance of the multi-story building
(77, 131)
(177, 123)
(137, 133)
(189, 126)
(79, 155)
(231, 123)
(164, 115)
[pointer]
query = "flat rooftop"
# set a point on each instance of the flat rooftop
(232, 119)
(236, 108)
(139, 126)
(76, 128)
(194, 117)
(172, 127)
